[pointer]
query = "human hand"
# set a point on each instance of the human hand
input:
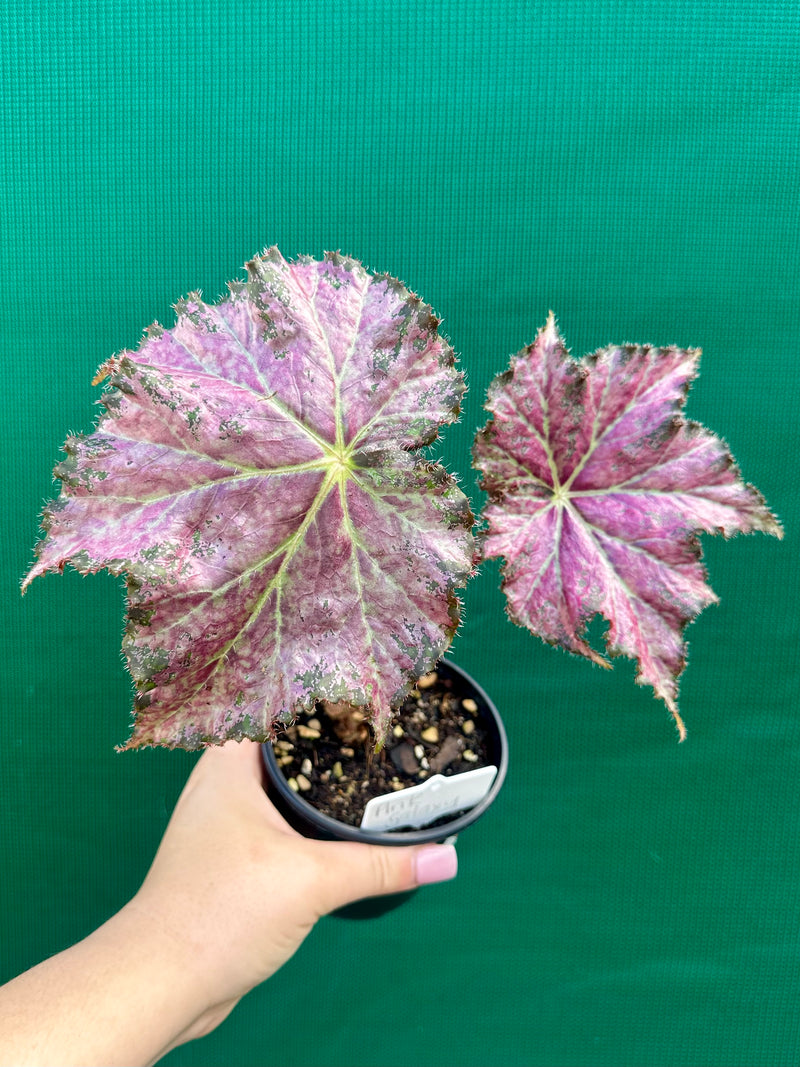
(231, 894)
(239, 889)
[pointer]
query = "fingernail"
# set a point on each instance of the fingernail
(437, 863)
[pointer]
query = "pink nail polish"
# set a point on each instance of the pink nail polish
(436, 863)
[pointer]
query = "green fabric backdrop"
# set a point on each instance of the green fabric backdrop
(631, 164)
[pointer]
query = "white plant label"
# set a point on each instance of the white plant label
(422, 804)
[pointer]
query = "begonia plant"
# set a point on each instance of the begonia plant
(258, 475)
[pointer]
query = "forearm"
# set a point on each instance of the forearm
(124, 996)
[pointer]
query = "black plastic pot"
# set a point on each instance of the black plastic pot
(305, 818)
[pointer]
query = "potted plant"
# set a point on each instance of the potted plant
(292, 555)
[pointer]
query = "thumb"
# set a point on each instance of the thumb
(354, 870)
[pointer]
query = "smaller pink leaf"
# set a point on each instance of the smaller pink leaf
(598, 488)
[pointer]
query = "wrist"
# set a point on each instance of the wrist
(155, 975)
(125, 995)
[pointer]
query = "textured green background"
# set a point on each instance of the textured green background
(634, 166)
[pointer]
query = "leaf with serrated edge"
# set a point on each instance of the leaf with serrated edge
(598, 488)
(256, 475)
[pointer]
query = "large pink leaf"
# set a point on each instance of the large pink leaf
(256, 477)
(598, 487)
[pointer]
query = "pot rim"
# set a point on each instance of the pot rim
(327, 827)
